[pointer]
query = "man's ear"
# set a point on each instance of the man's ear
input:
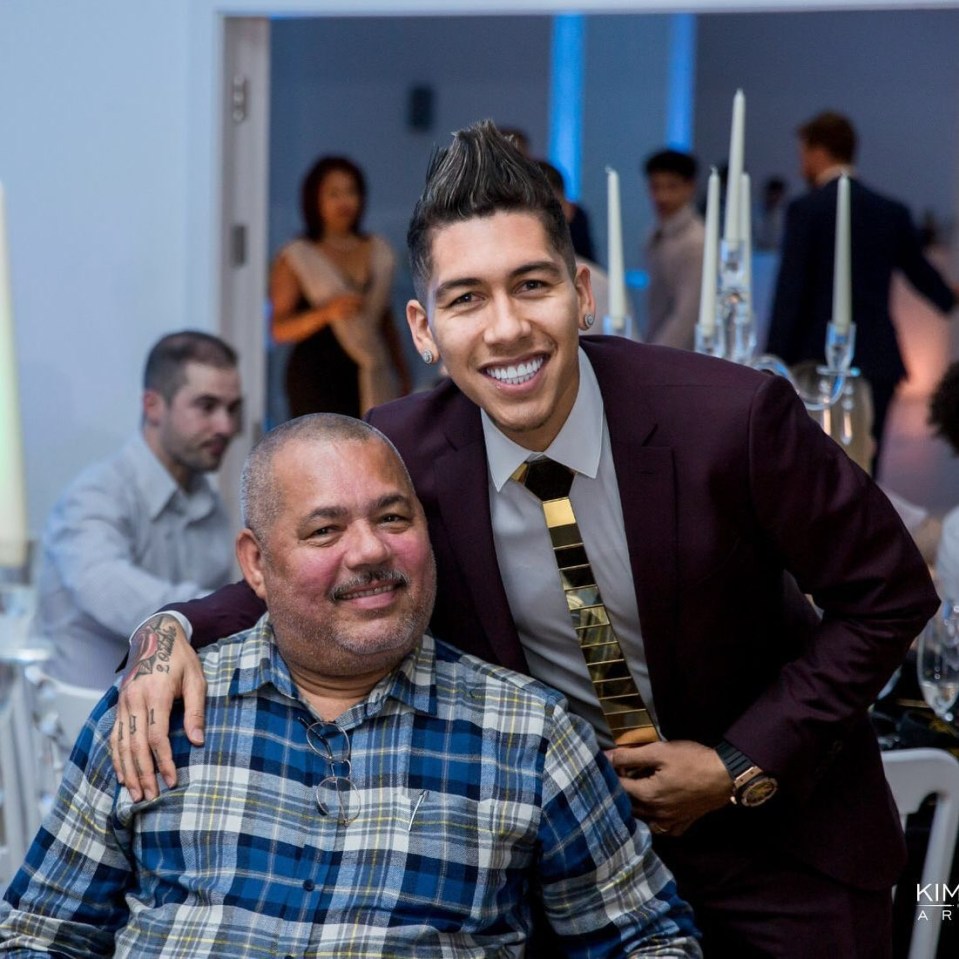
(420, 328)
(153, 407)
(249, 555)
(584, 294)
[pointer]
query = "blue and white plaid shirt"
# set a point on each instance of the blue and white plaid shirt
(478, 793)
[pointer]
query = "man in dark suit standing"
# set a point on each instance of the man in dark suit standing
(883, 240)
(702, 494)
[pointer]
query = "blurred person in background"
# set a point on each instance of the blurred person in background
(330, 296)
(884, 240)
(144, 527)
(674, 251)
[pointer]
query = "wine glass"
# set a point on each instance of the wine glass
(937, 660)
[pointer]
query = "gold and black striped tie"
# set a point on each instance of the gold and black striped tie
(629, 720)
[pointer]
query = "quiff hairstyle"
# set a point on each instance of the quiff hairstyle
(260, 500)
(479, 174)
(944, 407)
(165, 368)
(831, 131)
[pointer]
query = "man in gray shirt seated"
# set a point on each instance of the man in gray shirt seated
(364, 790)
(144, 527)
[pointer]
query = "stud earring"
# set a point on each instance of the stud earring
(427, 357)
(588, 320)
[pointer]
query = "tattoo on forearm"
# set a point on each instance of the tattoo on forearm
(151, 648)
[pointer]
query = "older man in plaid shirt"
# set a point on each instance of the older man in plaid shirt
(363, 790)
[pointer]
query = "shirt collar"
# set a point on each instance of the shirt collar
(159, 488)
(577, 445)
(412, 683)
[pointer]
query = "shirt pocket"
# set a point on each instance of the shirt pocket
(470, 857)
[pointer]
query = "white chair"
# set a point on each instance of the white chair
(913, 775)
(59, 711)
(18, 816)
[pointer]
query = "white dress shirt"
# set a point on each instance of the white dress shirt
(528, 566)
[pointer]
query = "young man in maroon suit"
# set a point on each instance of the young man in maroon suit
(708, 503)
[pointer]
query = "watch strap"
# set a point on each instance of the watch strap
(735, 761)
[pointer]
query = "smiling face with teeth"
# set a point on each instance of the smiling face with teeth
(503, 314)
(345, 567)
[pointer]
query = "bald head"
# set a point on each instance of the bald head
(261, 499)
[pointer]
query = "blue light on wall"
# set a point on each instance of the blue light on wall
(682, 81)
(566, 99)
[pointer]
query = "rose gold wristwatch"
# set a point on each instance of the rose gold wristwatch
(751, 786)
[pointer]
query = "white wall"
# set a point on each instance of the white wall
(94, 158)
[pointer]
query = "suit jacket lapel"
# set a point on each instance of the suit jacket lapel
(463, 499)
(647, 489)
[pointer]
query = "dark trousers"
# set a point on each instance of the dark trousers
(773, 906)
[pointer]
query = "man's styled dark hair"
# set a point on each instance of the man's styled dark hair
(944, 407)
(165, 372)
(519, 138)
(313, 227)
(672, 161)
(831, 131)
(553, 177)
(479, 174)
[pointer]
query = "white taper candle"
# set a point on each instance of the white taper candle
(13, 499)
(617, 269)
(842, 280)
(707, 294)
(737, 133)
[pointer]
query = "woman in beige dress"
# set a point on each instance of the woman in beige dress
(330, 295)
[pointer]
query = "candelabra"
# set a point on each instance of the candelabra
(727, 326)
(733, 337)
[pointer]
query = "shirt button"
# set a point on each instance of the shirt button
(309, 885)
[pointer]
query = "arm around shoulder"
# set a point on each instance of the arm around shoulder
(228, 610)
(162, 668)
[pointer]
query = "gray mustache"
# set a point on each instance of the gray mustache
(378, 576)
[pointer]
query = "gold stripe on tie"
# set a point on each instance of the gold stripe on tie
(629, 720)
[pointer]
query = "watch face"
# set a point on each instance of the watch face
(757, 791)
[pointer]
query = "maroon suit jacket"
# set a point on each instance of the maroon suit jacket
(731, 495)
